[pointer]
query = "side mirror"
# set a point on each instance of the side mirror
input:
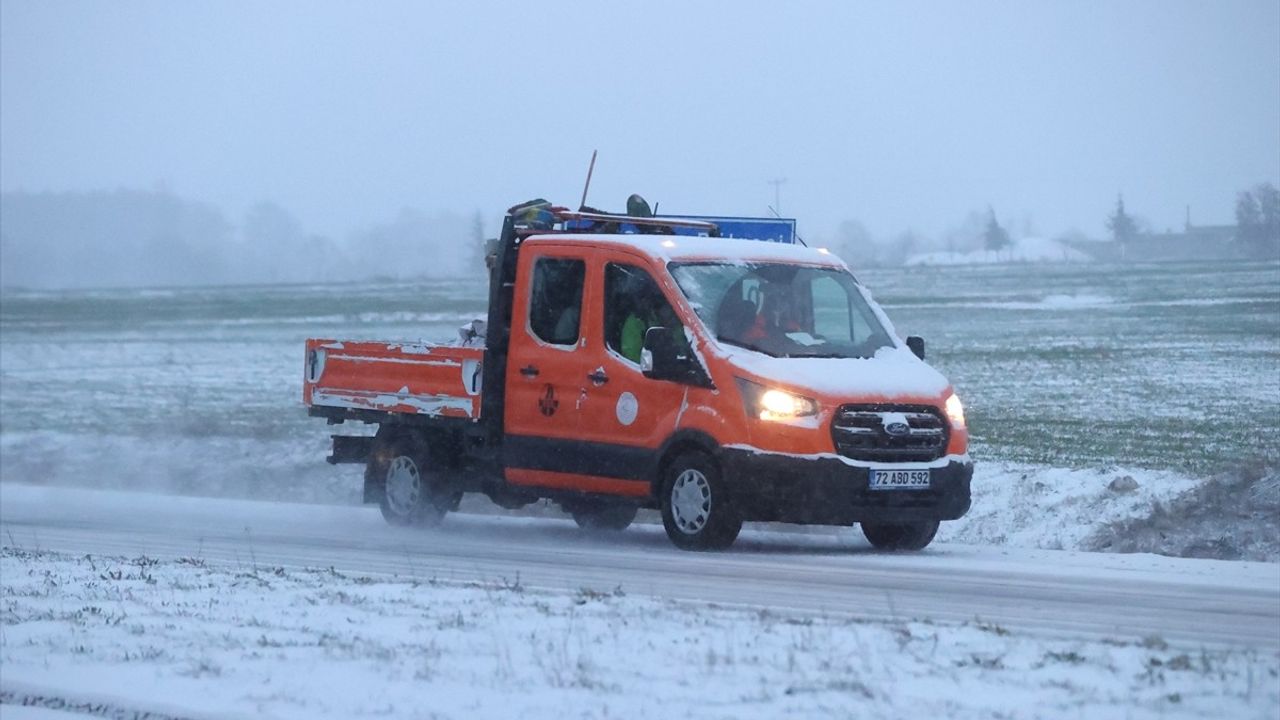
(916, 344)
(661, 359)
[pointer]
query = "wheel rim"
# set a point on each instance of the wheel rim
(691, 501)
(404, 484)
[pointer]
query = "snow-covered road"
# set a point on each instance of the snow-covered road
(1054, 593)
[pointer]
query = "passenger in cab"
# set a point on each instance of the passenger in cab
(633, 304)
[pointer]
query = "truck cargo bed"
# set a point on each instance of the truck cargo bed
(422, 379)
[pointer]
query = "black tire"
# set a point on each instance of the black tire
(410, 481)
(900, 536)
(709, 524)
(612, 517)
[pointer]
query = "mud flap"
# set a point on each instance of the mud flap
(350, 449)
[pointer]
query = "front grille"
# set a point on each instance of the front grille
(860, 432)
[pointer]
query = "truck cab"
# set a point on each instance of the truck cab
(717, 380)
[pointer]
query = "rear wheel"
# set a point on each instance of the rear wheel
(696, 510)
(411, 485)
(900, 536)
(603, 516)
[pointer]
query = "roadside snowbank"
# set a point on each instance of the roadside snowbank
(198, 640)
(1235, 517)
(1057, 508)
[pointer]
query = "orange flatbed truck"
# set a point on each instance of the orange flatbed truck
(717, 380)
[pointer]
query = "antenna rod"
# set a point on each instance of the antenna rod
(798, 238)
(777, 184)
(590, 169)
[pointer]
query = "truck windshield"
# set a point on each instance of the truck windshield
(784, 310)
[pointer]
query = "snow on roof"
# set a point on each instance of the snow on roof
(686, 247)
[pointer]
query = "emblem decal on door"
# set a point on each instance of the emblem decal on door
(548, 402)
(627, 409)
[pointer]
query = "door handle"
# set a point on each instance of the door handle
(529, 371)
(598, 377)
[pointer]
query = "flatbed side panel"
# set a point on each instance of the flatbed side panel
(404, 378)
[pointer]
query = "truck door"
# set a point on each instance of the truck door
(547, 364)
(627, 416)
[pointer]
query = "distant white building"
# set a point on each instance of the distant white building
(1026, 250)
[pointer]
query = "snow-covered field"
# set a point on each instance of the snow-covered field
(191, 639)
(1166, 367)
(1131, 408)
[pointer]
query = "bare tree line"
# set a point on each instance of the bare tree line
(130, 238)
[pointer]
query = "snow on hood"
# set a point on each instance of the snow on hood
(891, 372)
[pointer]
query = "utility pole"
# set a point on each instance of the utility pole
(777, 184)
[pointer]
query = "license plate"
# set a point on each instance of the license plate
(899, 479)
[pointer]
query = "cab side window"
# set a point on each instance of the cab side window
(633, 303)
(555, 309)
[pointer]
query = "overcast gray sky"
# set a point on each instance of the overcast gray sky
(897, 114)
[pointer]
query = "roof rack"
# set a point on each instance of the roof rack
(543, 217)
(708, 227)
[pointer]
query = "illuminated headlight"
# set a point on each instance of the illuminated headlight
(955, 411)
(773, 404)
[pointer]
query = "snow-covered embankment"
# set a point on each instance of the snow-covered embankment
(192, 639)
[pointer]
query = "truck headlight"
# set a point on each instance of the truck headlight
(772, 404)
(955, 411)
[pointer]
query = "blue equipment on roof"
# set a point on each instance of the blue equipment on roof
(779, 230)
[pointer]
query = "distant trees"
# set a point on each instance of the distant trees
(153, 238)
(1121, 224)
(904, 245)
(413, 244)
(476, 246)
(854, 245)
(1258, 219)
(111, 239)
(968, 234)
(995, 237)
(909, 241)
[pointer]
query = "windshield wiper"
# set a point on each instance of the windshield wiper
(746, 345)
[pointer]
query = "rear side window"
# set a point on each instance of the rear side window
(555, 310)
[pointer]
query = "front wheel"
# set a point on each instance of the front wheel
(696, 509)
(900, 536)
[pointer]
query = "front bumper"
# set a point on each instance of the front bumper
(827, 491)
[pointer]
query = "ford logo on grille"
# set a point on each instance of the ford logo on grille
(895, 424)
(897, 429)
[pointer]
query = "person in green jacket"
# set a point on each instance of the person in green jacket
(633, 330)
(648, 312)
(636, 300)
